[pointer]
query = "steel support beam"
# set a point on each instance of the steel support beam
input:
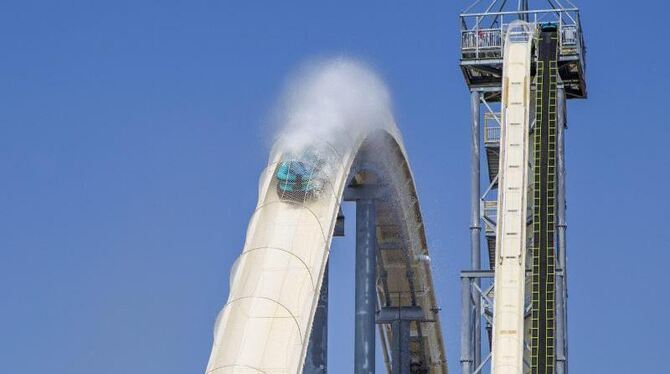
(338, 230)
(523, 7)
(366, 295)
(316, 361)
(400, 319)
(400, 357)
(561, 281)
(406, 313)
(475, 219)
(466, 326)
(477, 274)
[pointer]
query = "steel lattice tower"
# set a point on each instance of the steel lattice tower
(556, 78)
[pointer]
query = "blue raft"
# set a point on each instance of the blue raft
(298, 178)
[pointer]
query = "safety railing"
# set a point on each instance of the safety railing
(569, 39)
(481, 39)
(482, 43)
(569, 35)
(490, 215)
(483, 34)
(492, 129)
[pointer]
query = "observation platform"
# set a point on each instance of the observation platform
(482, 45)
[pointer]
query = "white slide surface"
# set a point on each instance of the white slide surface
(275, 283)
(508, 320)
(265, 325)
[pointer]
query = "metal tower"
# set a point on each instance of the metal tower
(558, 72)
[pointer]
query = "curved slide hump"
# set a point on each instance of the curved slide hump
(508, 318)
(274, 285)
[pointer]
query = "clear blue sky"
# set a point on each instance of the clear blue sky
(132, 136)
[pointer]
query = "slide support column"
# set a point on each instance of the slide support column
(475, 222)
(316, 361)
(400, 319)
(401, 356)
(366, 295)
(561, 281)
(466, 325)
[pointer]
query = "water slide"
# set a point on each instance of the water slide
(511, 247)
(266, 323)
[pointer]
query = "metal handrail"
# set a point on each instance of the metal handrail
(520, 12)
(492, 135)
(491, 128)
(569, 35)
(489, 42)
(563, 16)
(481, 39)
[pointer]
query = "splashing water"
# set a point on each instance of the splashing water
(326, 108)
(331, 102)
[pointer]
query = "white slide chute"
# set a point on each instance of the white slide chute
(337, 112)
(510, 267)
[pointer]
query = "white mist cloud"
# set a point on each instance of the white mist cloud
(333, 101)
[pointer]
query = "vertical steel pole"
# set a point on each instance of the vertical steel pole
(466, 326)
(561, 283)
(522, 7)
(316, 361)
(400, 362)
(366, 278)
(396, 358)
(475, 223)
(405, 364)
